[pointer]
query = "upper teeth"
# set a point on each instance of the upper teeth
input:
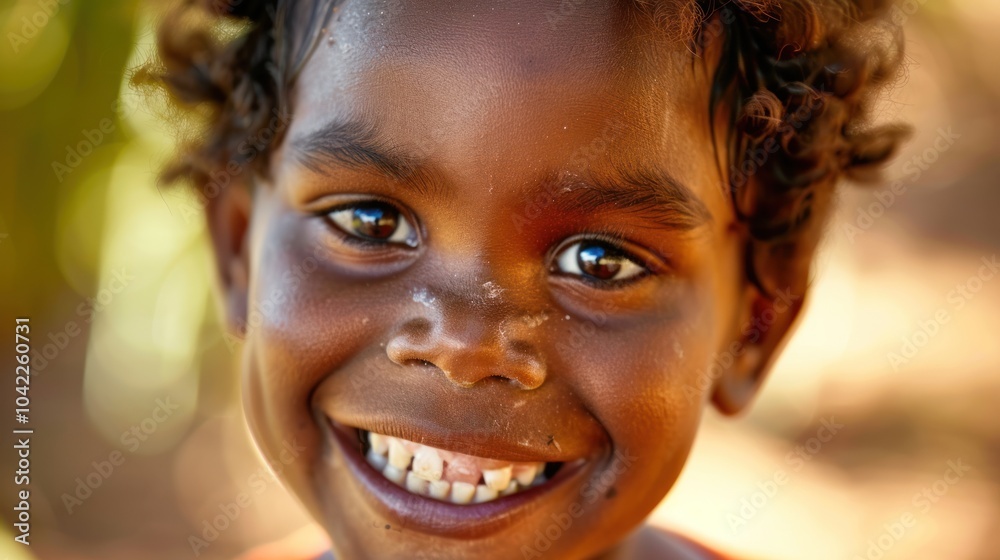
(498, 479)
(428, 464)
(446, 475)
(378, 442)
(399, 455)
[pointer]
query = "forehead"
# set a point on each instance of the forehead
(526, 81)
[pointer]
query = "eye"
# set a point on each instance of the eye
(598, 261)
(374, 222)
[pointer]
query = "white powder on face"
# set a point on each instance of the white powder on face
(492, 291)
(422, 297)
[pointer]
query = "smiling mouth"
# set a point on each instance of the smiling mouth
(450, 476)
(474, 495)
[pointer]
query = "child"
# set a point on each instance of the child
(491, 260)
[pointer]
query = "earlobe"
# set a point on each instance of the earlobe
(766, 327)
(228, 217)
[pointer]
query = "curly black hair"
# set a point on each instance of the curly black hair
(796, 81)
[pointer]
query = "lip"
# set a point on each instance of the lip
(427, 515)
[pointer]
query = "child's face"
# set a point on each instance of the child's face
(500, 232)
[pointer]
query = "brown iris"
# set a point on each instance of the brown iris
(599, 260)
(375, 220)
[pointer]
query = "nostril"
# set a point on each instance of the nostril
(508, 380)
(418, 362)
(466, 354)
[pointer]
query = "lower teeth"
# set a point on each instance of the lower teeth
(422, 475)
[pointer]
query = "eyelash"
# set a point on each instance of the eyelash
(366, 243)
(615, 237)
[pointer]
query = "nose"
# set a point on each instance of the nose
(469, 345)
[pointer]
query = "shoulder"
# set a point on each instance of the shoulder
(657, 542)
(307, 544)
(271, 552)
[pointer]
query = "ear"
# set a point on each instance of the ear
(766, 324)
(228, 216)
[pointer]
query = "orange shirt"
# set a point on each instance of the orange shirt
(312, 544)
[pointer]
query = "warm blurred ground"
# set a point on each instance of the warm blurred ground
(903, 423)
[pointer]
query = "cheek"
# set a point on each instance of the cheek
(647, 377)
(647, 385)
(303, 323)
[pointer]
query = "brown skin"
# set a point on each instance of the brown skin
(481, 110)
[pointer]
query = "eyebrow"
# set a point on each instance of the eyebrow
(357, 146)
(650, 194)
(647, 193)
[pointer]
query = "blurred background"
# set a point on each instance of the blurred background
(877, 435)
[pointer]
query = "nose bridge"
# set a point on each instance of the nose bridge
(469, 330)
(466, 296)
(478, 293)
